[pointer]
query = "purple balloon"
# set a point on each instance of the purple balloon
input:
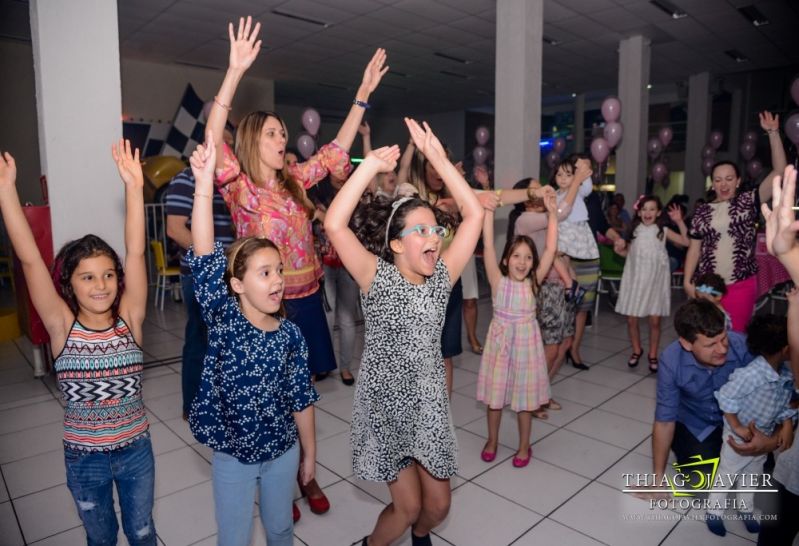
(612, 133)
(707, 165)
(482, 135)
(559, 145)
(665, 135)
(311, 121)
(708, 151)
(553, 158)
(600, 150)
(754, 168)
(715, 139)
(750, 136)
(480, 155)
(748, 150)
(611, 109)
(653, 148)
(795, 90)
(792, 128)
(306, 145)
(659, 172)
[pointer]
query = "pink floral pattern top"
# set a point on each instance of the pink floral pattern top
(270, 211)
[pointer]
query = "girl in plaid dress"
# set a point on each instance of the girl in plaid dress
(514, 368)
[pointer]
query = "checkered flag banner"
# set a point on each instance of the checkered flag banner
(187, 130)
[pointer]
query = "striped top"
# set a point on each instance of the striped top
(99, 373)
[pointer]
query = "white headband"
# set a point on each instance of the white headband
(394, 206)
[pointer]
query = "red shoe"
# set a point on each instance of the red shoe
(319, 505)
(518, 462)
(487, 456)
(295, 512)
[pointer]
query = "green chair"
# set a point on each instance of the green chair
(611, 266)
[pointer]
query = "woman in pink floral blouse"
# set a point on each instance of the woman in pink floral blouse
(267, 198)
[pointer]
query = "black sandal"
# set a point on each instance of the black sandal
(653, 364)
(632, 362)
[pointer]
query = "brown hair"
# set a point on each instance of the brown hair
(239, 253)
(510, 246)
(248, 136)
(417, 174)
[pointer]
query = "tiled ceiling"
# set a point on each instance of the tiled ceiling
(322, 65)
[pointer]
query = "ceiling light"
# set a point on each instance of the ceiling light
(451, 58)
(649, 86)
(456, 75)
(670, 9)
(736, 55)
(754, 16)
(400, 74)
(333, 86)
(551, 41)
(302, 18)
(574, 95)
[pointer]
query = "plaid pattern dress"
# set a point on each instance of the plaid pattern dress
(513, 370)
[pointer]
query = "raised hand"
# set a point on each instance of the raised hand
(364, 129)
(769, 122)
(781, 224)
(244, 47)
(128, 164)
(550, 200)
(374, 71)
(8, 171)
(203, 160)
(582, 170)
(385, 158)
(425, 141)
(675, 213)
(489, 200)
(481, 176)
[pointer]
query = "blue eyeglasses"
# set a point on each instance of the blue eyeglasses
(425, 231)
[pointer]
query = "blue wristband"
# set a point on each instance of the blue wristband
(364, 105)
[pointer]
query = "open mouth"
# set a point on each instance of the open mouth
(430, 256)
(276, 295)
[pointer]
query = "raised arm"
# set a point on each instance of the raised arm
(548, 256)
(793, 333)
(781, 223)
(771, 125)
(133, 303)
(404, 172)
(366, 136)
(244, 48)
(462, 247)
(681, 238)
(202, 215)
(360, 263)
(490, 253)
(372, 75)
(54, 312)
(582, 175)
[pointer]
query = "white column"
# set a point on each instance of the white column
(517, 121)
(634, 53)
(579, 123)
(78, 101)
(697, 130)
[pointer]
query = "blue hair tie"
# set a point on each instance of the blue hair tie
(705, 289)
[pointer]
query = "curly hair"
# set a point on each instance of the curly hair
(369, 221)
(68, 259)
(767, 335)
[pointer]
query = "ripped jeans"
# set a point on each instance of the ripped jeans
(90, 479)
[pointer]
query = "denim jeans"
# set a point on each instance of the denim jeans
(341, 292)
(195, 342)
(90, 479)
(234, 495)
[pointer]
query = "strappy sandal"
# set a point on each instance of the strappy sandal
(541, 413)
(653, 364)
(553, 405)
(632, 362)
(476, 348)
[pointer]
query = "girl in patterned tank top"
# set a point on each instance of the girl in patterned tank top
(93, 315)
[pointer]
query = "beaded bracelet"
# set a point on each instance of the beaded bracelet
(364, 105)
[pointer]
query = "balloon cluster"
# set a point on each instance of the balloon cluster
(306, 142)
(792, 123)
(748, 148)
(553, 157)
(709, 151)
(655, 147)
(480, 152)
(611, 136)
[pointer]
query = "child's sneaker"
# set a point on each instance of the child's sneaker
(715, 525)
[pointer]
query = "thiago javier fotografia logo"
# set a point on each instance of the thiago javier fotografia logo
(699, 476)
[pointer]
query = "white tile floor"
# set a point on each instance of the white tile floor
(569, 494)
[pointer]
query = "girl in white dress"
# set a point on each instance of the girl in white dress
(645, 284)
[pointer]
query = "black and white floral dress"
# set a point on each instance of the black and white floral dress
(401, 409)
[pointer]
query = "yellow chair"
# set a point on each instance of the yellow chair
(162, 271)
